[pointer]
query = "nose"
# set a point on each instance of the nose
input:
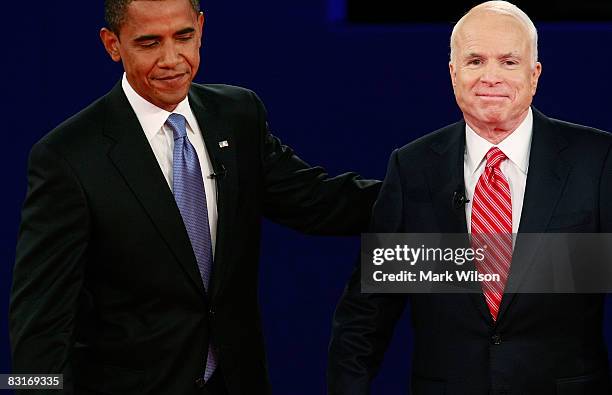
(491, 75)
(170, 55)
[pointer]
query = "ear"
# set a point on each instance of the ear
(535, 77)
(200, 28)
(451, 69)
(111, 43)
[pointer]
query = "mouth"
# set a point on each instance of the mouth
(172, 80)
(491, 96)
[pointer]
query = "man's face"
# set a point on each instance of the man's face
(493, 76)
(159, 46)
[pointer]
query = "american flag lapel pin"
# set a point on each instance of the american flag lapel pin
(223, 144)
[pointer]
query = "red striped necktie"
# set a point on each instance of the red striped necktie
(492, 227)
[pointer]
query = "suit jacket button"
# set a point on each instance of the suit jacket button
(200, 383)
(211, 312)
(496, 339)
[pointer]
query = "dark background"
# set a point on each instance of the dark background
(393, 11)
(342, 94)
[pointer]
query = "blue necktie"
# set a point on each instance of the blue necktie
(190, 196)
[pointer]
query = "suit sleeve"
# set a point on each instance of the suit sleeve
(306, 198)
(48, 272)
(363, 324)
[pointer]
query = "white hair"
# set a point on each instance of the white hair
(503, 8)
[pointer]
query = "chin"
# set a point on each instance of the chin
(493, 116)
(174, 98)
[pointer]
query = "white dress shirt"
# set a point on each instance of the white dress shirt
(160, 137)
(517, 147)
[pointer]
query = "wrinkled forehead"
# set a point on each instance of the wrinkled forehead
(485, 21)
(493, 30)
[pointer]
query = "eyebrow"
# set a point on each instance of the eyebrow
(472, 55)
(186, 30)
(509, 55)
(147, 37)
(153, 37)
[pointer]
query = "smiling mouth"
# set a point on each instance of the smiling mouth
(492, 96)
(171, 78)
(171, 83)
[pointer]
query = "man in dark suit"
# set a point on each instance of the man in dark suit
(137, 258)
(519, 171)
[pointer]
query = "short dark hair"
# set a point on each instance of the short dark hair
(115, 10)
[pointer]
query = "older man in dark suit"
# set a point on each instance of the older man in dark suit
(519, 171)
(137, 259)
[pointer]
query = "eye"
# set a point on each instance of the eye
(509, 61)
(474, 62)
(185, 37)
(149, 44)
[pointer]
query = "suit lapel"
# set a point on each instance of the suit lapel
(445, 178)
(546, 178)
(221, 147)
(134, 159)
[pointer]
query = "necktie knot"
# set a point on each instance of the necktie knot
(495, 157)
(177, 123)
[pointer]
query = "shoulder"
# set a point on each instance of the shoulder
(222, 94)
(438, 139)
(229, 102)
(581, 134)
(580, 144)
(78, 128)
(220, 90)
(420, 151)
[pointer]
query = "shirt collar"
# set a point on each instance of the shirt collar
(516, 146)
(153, 118)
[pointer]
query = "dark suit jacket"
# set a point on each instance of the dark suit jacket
(541, 343)
(106, 289)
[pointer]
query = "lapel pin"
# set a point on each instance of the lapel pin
(223, 144)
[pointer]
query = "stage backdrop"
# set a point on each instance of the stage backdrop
(344, 96)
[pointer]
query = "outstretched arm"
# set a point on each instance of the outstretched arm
(363, 323)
